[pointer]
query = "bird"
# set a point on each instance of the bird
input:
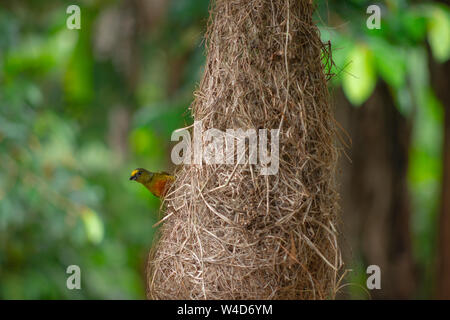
(156, 182)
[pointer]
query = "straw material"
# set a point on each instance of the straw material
(230, 232)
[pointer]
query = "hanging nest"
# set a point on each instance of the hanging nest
(229, 231)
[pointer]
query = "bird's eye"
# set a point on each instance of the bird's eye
(138, 174)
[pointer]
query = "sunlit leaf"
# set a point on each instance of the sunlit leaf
(439, 34)
(93, 225)
(360, 77)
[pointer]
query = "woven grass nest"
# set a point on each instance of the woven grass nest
(230, 232)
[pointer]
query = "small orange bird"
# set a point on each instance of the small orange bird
(156, 183)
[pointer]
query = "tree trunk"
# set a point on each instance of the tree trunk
(376, 207)
(441, 84)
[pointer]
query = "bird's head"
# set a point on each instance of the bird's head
(141, 175)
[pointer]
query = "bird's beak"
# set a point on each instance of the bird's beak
(133, 177)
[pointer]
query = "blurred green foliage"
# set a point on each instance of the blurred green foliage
(62, 182)
(65, 197)
(397, 54)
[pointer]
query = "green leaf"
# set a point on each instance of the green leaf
(413, 26)
(360, 76)
(390, 62)
(439, 34)
(93, 225)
